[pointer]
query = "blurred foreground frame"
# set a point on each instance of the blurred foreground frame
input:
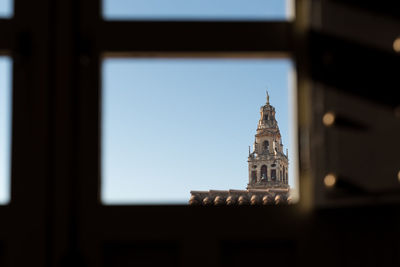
(354, 79)
(344, 68)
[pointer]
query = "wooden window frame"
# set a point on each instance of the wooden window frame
(57, 48)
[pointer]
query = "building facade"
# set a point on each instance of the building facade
(268, 164)
(268, 170)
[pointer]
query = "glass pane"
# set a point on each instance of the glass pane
(170, 126)
(6, 8)
(198, 9)
(5, 128)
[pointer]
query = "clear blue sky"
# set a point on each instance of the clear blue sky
(5, 123)
(6, 8)
(175, 125)
(195, 9)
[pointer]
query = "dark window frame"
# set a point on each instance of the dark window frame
(55, 217)
(57, 47)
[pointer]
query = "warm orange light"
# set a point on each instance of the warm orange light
(328, 119)
(330, 180)
(396, 45)
(398, 176)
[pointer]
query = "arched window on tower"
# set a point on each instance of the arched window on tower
(253, 176)
(286, 177)
(284, 174)
(273, 175)
(266, 146)
(264, 172)
(266, 117)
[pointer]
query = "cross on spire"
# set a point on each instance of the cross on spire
(267, 97)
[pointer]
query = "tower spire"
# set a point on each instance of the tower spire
(268, 164)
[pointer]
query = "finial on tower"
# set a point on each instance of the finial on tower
(267, 97)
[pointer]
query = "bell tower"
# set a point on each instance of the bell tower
(268, 164)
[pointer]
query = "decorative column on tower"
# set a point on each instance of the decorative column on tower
(268, 165)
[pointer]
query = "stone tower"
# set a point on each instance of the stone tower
(268, 165)
(268, 170)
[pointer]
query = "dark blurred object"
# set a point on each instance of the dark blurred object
(354, 69)
(347, 63)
